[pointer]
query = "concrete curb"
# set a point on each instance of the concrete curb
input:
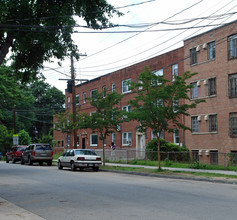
(171, 177)
(9, 211)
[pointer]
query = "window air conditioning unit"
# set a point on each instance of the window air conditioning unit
(206, 117)
(207, 152)
(198, 48)
(198, 83)
(205, 82)
(199, 118)
(204, 46)
(200, 152)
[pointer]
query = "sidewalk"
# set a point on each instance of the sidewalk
(9, 211)
(226, 172)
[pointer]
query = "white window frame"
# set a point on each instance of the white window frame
(174, 71)
(125, 86)
(84, 97)
(127, 139)
(232, 46)
(68, 101)
(211, 50)
(176, 136)
(77, 99)
(153, 136)
(91, 140)
(113, 137)
(92, 91)
(195, 124)
(194, 90)
(113, 87)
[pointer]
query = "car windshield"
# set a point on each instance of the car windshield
(20, 148)
(43, 147)
(85, 152)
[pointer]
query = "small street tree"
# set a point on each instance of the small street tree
(160, 104)
(107, 116)
(24, 138)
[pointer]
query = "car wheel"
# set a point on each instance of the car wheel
(60, 167)
(22, 161)
(73, 168)
(7, 161)
(96, 169)
(49, 163)
(13, 160)
(30, 161)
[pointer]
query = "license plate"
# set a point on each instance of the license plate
(90, 164)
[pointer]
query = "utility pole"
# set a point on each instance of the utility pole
(74, 100)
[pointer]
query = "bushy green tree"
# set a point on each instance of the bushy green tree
(36, 31)
(24, 138)
(160, 103)
(107, 116)
(6, 139)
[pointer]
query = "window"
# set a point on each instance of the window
(214, 157)
(113, 137)
(174, 71)
(194, 124)
(194, 90)
(176, 136)
(212, 123)
(234, 157)
(195, 156)
(126, 108)
(77, 99)
(212, 86)
(193, 56)
(175, 104)
(58, 143)
(125, 85)
(233, 124)
(160, 134)
(93, 93)
(93, 140)
(68, 102)
(77, 140)
(233, 85)
(84, 97)
(104, 92)
(158, 72)
(127, 138)
(211, 50)
(232, 46)
(140, 82)
(62, 143)
(113, 87)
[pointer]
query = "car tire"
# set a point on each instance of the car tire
(7, 161)
(49, 163)
(30, 161)
(22, 161)
(60, 167)
(73, 168)
(96, 169)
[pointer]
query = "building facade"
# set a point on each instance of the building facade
(168, 65)
(214, 122)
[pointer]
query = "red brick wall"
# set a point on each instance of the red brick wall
(219, 104)
(164, 62)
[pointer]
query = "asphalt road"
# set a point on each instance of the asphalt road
(63, 194)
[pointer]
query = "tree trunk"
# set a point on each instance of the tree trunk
(5, 47)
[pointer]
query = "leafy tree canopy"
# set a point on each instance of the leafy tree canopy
(24, 138)
(36, 31)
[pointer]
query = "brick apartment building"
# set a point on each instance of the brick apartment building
(213, 55)
(168, 64)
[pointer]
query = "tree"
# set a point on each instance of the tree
(107, 117)
(6, 139)
(159, 103)
(36, 31)
(24, 138)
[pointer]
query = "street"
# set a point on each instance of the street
(63, 194)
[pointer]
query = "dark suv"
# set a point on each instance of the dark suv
(15, 153)
(37, 153)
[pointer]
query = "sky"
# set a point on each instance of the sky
(155, 27)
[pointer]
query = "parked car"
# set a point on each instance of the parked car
(15, 153)
(37, 153)
(79, 158)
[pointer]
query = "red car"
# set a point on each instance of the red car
(15, 153)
